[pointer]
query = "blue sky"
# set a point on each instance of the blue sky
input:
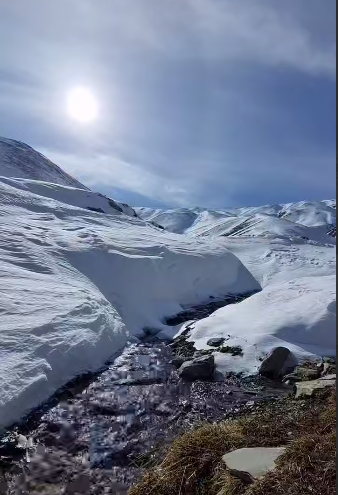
(202, 102)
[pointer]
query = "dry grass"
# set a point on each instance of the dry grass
(225, 484)
(191, 460)
(193, 465)
(309, 464)
(308, 467)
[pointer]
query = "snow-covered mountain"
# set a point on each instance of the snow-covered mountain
(311, 220)
(41, 176)
(81, 275)
(19, 160)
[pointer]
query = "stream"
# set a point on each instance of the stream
(104, 430)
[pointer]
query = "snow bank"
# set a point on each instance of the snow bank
(299, 315)
(77, 285)
(296, 308)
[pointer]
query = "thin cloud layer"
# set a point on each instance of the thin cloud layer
(202, 101)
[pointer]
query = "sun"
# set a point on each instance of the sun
(82, 105)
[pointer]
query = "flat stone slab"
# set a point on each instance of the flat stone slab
(249, 464)
(308, 389)
(329, 377)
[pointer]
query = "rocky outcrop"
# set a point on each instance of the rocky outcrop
(309, 389)
(302, 374)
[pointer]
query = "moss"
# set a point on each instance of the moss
(235, 350)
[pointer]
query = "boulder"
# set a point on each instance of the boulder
(250, 464)
(201, 368)
(178, 361)
(276, 364)
(308, 389)
(217, 342)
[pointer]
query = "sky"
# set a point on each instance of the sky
(211, 103)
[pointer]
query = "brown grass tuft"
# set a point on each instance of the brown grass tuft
(193, 465)
(308, 466)
(191, 461)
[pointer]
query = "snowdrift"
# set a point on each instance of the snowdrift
(77, 285)
(296, 307)
(299, 315)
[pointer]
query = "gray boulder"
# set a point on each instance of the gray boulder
(250, 464)
(201, 368)
(277, 363)
(217, 342)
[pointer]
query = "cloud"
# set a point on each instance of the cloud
(213, 102)
(266, 31)
(98, 170)
(257, 30)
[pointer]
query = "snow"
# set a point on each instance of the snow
(82, 198)
(77, 285)
(311, 214)
(295, 309)
(309, 219)
(288, 250)
(20, 160)
(17, 160)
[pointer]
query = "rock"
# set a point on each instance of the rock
(292, 378)
(302, 374)
(329, 377)
(202, 368)
(216, 342)
(81, 484)
(307, 374)
(250, 464)
(178, 361)
(3, 485)
(328, 369)
(276, 363)
(308, 389)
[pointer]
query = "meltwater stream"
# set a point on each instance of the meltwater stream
(100, 440)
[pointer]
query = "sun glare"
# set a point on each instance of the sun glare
(82, 105)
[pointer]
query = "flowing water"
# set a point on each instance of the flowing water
(99, 438)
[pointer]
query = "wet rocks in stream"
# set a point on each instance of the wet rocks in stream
(106, 433)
